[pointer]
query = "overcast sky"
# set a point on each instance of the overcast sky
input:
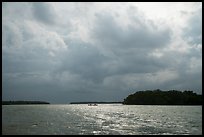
(63, 52)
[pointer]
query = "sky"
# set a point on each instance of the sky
(65, 52)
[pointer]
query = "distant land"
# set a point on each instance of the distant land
(96, 102)
(159, 97)
(23, 102)
(147, 97)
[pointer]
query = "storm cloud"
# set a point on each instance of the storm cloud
(63, 52)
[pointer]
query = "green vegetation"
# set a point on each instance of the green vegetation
(159, 97)
(23, 102)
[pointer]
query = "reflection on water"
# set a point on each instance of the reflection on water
(102, 119)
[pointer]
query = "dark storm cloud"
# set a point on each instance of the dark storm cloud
(130, 46)
(85, 60)
(193, 31)
(10, 32)
(44, 12)
(113, 36)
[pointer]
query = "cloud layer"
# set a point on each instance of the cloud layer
(63, 52)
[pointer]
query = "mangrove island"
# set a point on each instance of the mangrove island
(159, 97)
(23, 102)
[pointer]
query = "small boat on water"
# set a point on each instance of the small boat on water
(94, 104)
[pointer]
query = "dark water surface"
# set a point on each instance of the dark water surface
(103, 119)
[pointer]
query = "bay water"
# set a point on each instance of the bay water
(104, 119)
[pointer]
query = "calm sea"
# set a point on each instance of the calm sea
(105, 119)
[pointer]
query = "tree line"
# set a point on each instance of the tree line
(23, 102)
(159, 97)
